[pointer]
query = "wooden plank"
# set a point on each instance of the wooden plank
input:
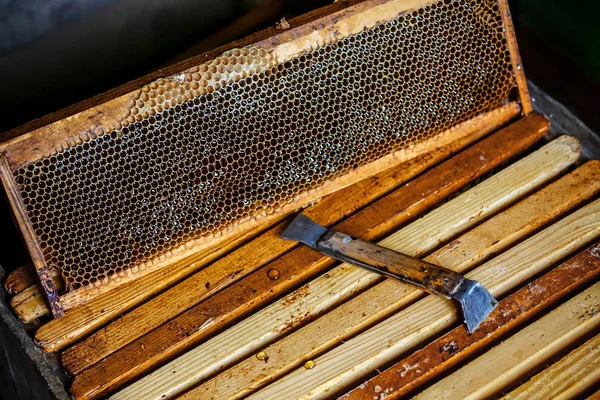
(238, 264)
(20, 279)
(80, 321)
(494, 370)
(456, 346)
(502, 230)
(300, 265)
(29, 304)
(565, 379)
(350, 361)
(346, 280)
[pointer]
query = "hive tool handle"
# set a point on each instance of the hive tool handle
(476, 302)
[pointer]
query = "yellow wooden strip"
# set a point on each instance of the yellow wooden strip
(491, 372)
(344, 281)
(565, 379)
(360, 355)
(493, 236)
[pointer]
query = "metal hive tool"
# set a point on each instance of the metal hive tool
(244, 136)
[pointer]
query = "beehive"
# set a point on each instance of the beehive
(182, 164)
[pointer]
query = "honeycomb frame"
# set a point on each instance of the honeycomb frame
(118, 123)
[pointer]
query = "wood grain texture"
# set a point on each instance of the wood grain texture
(533, 345)
(303, 263)
(456, 346)
(80, 321)
(381, 260)
(239, 263)
(30, 304)
(525, 217)
(342, 282)
(20, 279)
(350, 361)
(565, 379)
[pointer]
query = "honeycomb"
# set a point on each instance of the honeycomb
(224, 146)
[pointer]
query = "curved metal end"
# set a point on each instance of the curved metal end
(476, 302)
(305, 230)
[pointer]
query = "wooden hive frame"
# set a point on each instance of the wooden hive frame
(122, 107)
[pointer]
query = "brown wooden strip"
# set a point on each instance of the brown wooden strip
(303, 263)
(458, 345)
(30, 304)
(233, 267)
(20, 279)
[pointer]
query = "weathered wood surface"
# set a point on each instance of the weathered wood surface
(334, 287)
(565, 379)
(236, 265)
(350, 361)
(80, 321)
(505, 229)
(458, 345)
(29, 304)
(20, 279)
(494, 370)
(381, 260)
(301, 264)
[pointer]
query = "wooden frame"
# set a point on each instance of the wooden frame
(275, 47)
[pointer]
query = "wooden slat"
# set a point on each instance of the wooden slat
(446, 352)
(81, 320)
(231, 268)
(565, 379)
(29, 304)
(492, 236)
(301, 264)
(360, 355)
(20, 279)
(340, 283)
(494, 370)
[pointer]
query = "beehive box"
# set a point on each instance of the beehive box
(124, 199)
